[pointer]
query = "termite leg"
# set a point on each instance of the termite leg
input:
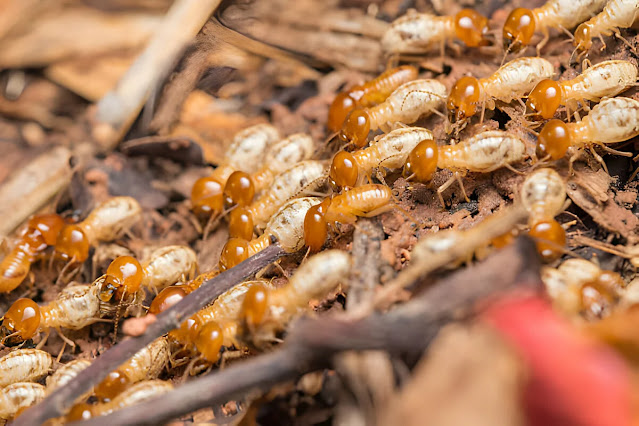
(543, 41)
(44, 339)
(615, 152)
(603, 43)
(598, 157)
(230, 355)
(458, 178)
(483, 110)
(617, 34)
(443, 188)
(568, 33)
(514, 170)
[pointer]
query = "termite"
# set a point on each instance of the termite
(125, 276)
(613, 120)
(362, 201)
(24, 365)
(266, 310)
(75, 307)
(416, 33)
(406, 104)
(511, 81)
(146, 364)
(216, 325)
(41, 232)
(605, 79)
(286, 226)
(107, 222)
(615, 15)
(246, 154)
(304, 177)
(65, 374)
(368, 94)
(281, 157)
(19, 396)
(136, 394)
(390, 151)
(543, 195)
(482, 153)
(578, 286)
(522, 23)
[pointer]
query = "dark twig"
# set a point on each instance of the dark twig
(366, 261)
(312, 343)
(55, 404)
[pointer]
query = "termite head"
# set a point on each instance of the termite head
(167, 298)
(234, 252)
(342, 105)
(20, 322)
(518, 29)
(471, 28)
(545, 98)
(209, 341)
(207, 196)
(123, 276)
(241, 223)
(254, 304)
(114, 384)
(550, 239)
(315, 226)
(553, 140)
(463, 98)
(72, 244)
(422, 161)
(48, 225)
(598, 296)
(583, 37)
(80, 411)
(344, 171)
(239, 189)
(356, 127)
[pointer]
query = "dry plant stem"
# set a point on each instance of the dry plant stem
(55, 404)
(119, 108)
(492, 227)
(313, 342)
(32, 187)
(366, 260)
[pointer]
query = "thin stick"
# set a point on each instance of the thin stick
(55, 404)
(312, 342)
(494, 226)
(117, 110)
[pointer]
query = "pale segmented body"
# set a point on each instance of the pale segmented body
(246, 151)
(75, 307)
(17, 396)
(282, 156)
(305, 176)
(418, 33)
(136, 394)
(148, 362)
(514, 80)
(605, 79)
(24, 365)
(565, 13)
(168, 265)
(543, 194)
(616, 14)
(612, 120)
(66, 373)
(287, 226)
(438, 242)
(391, 150)
(320, 274)
(407, 104)
(110, 219)
(484, 152)
(363, 200)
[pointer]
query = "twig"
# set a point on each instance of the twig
(366, 260)
(312, 342)
(32, 187)
(492, 227)
(117, 110)
(55, 404)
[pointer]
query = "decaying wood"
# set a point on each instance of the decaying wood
(312, 343)
(365, 272)
(55, 404)
(117, 110)
(32, 187)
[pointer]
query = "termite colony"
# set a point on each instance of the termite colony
(407, 134)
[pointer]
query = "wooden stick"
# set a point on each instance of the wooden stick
(55, 404)
(312, 342)
(118, 109)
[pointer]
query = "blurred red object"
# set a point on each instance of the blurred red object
(573, 380)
